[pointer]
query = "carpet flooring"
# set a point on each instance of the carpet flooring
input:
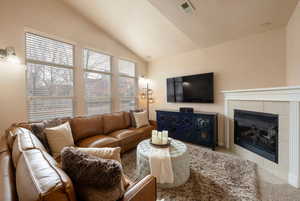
(214, 177)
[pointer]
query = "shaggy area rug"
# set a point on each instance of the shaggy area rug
(214, 177)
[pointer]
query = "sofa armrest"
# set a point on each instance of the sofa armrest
(153, 123)
(3, 144)
(143, 190)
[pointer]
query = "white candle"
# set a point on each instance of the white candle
(165, 134)
(155, 137)
(154, 133)
(164, 140)
(164, 137)
(160, 137)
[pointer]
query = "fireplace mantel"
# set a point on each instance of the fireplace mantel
(289, 94)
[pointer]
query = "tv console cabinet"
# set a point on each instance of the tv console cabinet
(199, 128)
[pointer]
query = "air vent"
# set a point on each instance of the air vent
(187, 7)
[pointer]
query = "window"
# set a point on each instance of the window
(50, 65)
(97, 77)
(127, 85)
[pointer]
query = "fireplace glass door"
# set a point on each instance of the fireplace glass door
(257, 132)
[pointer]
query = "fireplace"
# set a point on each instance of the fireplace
(257, 132)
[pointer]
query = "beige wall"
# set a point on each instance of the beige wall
(52, 17)
(293, 48)
(12, 95)
(253, 62)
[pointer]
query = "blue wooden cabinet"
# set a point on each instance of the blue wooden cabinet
(197, 128)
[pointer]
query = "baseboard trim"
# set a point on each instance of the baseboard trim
(294, 180)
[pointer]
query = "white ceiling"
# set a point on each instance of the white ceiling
(158, 28)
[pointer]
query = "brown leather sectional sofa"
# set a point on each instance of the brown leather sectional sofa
(29, 173)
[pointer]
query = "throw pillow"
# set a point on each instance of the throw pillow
(38, 131)
(141, 119)
(59, 137)
(133, 123)
(107, 153)
(39, 127)
(95, 179)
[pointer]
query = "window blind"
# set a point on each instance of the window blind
(127, 85)
(127, 67)
(97, 82)
(50, 81)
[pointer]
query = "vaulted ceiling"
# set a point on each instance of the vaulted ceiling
(159, 28)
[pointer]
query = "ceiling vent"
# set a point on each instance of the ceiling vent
(187, 7)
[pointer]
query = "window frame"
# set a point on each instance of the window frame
(60, 66)
(135, 77)
(86, 70)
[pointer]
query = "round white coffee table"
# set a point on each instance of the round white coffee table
(179, 157)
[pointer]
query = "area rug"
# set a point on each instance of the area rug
(214, 177)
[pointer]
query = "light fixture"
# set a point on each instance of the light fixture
(9, 54)
(146, 92)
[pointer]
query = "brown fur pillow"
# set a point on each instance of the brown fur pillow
(89, 170)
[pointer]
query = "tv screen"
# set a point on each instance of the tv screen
(191, 89)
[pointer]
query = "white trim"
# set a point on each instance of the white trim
(294, 180)
(262, 89)
(227, 123)
(289, 94)
(54, 65)
(294, 144)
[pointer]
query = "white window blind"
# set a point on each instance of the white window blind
(50, 66)
(127, 85)
(97, 82)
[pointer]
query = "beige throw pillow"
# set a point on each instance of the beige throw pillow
(59, 137)
(107, 153)
(141, 119)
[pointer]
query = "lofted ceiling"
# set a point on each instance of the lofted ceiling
(159, 28)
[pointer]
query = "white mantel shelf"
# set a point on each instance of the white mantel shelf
(265, 94)
(289, 94)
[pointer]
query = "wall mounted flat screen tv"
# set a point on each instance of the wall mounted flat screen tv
(191, 89)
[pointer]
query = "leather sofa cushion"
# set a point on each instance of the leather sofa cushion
(126, 136)
(145, 131)
(127, 119)
(39, 179)
(99, 141)
(7, 182)
(113, 122)
(83, 127)
(25, 140)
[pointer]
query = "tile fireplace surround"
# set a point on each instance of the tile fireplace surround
(283, 101)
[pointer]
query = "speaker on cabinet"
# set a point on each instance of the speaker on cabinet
(186, 109)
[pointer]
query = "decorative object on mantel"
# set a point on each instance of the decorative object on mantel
(9, 54)
(276, 95)
(146, 92)
(214, 176)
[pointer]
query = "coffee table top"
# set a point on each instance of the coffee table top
(177, 148)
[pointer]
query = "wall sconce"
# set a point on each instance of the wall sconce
(9, 54)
